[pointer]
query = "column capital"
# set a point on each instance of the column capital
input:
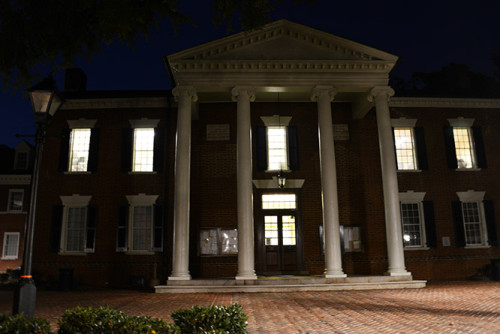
(321, 90)
(189, 91)
(239, 90)
(382, 91)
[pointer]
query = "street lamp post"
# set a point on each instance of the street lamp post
(45, 102)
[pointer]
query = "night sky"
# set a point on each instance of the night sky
(425, 34)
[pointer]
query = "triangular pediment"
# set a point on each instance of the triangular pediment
(282, 40)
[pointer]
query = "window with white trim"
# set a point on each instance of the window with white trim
(74, 229)
(16, 197)
(277, 153)
(412, 219)
(277, 144)
(464, 147)
(143, 151)
(473, 218)
(405, 148)
(10, 246)
(141, 227)
(79, 145)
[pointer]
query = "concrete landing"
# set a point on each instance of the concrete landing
(290, 284)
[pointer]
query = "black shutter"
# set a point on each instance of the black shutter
(479, 147)
(55, 229)
(121, 233)
(64, 150)
(91, 228)
(293, 148)
(158, 150)
(395, 150)
(449, 141)
(459, 223)
(491, 223)
(93, 150)
(158, 229)
(420, 148)
(127, 147)
(261, 148)
(430, 224)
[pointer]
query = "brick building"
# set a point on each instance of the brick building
(140, 187)
(15, 176)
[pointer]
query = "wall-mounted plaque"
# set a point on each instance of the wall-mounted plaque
(218, 132)
(341, 132)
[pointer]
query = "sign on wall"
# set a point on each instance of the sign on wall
(218, 132)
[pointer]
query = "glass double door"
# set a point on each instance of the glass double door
(280, 243)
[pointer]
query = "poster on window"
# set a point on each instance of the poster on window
(209, 242)
(229, 241)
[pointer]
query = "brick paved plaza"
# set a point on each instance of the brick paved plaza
(452, 307)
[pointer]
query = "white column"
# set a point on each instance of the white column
(323, 95)
(246, 261)
(184, 96)
(395, 250)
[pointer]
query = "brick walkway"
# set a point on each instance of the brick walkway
(453, 307)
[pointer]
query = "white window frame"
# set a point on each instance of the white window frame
(140, 200)
(4, 246)
(72, 167)
(143, 123)
(464, 123)
(11, 191)
(74, 201)
(472, 196)
(79, 124)
(407, 124)
(411, 197)
(274, 122)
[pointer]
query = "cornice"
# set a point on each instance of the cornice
(284, 28)
(112, 103)
(438, 102)
(197, 66)
(21, 179)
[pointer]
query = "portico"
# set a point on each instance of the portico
(300, 65)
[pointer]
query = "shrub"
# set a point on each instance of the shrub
(20, 324)
(211, 319)
(106, 320)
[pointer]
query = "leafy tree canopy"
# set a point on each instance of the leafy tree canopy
(454, 80)
(52, 33)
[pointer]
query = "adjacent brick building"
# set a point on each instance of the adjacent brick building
(140, 187)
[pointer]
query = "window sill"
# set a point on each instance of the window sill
(12, 212)
(64, 253)
(416, 248)
(77, 173)
(477, 246)
(142, 173)
(9, 258)
(409, 171)
(468, 169)
(278, 170)
(131, 252)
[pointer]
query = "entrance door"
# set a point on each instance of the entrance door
(278, 234)
(280, 243)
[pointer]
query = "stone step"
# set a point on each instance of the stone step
(414, 284)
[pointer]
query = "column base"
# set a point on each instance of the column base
(401, 273)
(334, 274)
(185, 277)
(246, 276)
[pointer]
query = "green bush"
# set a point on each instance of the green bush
(211, 319)
(20, 324)
(106, 320)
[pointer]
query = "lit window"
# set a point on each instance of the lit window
(271, 230)
(279, 201)
(464, 147)
(277, 148)
(143, 150)
(79, 150)
(16, 200)
(288, 230)
(472, 223)
(10, 246)
(412, 225)
(142, 230)
(405, 148)
(75, 229)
